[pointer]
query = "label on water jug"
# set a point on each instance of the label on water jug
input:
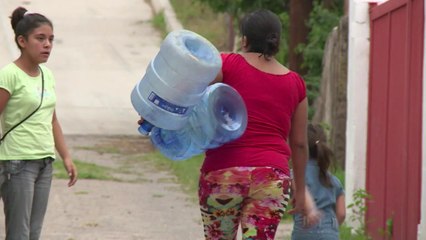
(163, 104)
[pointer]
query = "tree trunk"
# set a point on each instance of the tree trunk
(299, 15)
(328, 4)
(330, 105)
(231, 32)
(346, 8)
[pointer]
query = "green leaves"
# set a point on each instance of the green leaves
(359, 210)
(321, 23)
(236, 7)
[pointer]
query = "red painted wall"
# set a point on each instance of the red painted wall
(395, 119)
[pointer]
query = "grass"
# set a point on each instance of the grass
(201, 19)
(85, 171)
(187, 171)
(159, 22)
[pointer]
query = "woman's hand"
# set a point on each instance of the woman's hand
(298, 203)
(304, 204)
(313, 216)
(310, 216)
(140, 121)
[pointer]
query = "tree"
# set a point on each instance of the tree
(300, 11)
(236, 8)
(346, 8)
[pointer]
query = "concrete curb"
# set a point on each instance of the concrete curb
(172, 23)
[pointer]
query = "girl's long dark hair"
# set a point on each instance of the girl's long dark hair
(319, 151)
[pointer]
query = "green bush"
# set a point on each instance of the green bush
(321, 23)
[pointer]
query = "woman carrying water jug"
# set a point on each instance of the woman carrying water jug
(246, 182)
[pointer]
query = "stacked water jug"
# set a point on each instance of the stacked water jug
(183, 114)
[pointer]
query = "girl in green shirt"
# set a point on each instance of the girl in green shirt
(28, 150)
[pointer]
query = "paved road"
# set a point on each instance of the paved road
(102, 48)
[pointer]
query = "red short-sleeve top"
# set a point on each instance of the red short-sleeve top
(271, 100)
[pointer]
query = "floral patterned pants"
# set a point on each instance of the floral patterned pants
(255, 197)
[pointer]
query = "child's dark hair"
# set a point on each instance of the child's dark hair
(262, 28)
(319, 151)
(24, 23)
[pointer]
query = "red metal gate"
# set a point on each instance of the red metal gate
(395, 119)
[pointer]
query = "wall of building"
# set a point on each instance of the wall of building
(357, 109)
(422, 227)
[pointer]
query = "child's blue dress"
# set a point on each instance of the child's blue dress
(325, 200)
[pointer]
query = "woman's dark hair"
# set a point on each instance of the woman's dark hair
(262, 29)
(319, 151)
(24, 23)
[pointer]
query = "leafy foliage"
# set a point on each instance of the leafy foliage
(359, 209)
(321, 23)
(237, 7)
(282, 55)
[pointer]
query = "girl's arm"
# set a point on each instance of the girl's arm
(4, 98)
(340, 208)
(63, 150)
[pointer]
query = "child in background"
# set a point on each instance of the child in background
(326, 191)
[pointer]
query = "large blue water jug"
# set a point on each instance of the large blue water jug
(175, 80)
(220, 117)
